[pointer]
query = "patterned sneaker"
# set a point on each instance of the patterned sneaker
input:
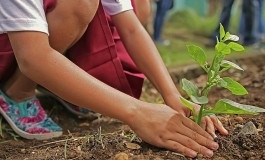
(76, 110)
(28, 119)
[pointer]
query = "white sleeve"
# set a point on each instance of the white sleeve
(113, 7)
(22, 15)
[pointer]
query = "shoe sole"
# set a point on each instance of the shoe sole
(26, 135)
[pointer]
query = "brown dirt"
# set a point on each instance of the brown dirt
(107, 138)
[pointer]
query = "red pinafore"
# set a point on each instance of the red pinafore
(99, 52)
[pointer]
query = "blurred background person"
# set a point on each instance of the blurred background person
(248, 23)
(246, 30)
(224, 17)
(162, 8)
(257, 35)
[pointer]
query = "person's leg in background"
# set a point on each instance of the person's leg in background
(260, 20)
(224, 19)
(163, 6)
(249, 22)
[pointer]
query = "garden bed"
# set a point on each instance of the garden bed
(105, 138)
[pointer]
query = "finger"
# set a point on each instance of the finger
(188, 146)
(177, 147)
(195, 137)
(219, 126)
(196, 128)
(210, 127)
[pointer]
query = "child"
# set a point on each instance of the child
(37, 49)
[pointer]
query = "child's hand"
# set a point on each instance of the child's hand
(212, 123)
(209, 123)
(162, 126)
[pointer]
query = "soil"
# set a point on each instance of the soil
(103, 138)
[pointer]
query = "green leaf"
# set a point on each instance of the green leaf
(189, 87)
(199, 100)
(228, 64)
(222, 83)
(222, 48)
(226, 37)
(211, 74)
(235, 87)
(235, 46)
(221, 31)
(216, 63)
(226, 106)
(207, 112)
(197, 54)
(187, 104)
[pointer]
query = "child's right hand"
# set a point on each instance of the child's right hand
(162, 126)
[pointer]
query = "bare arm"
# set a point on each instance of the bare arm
(47, 67)
(143, 11)
(144, 53)
(146, 56)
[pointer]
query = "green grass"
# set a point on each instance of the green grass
(176, 54)
(187, 27)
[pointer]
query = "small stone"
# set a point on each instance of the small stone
(239, 119)
(132, 145)
(224, 120)
(23, 150)
(251, 154)
(239, 126)
(121, 156)
(248, 128)
(257, 85)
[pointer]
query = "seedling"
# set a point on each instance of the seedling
(226, 43)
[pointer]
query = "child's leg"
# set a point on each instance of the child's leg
(67, 23)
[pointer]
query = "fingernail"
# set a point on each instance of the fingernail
(192, 154)
(209, 153)
(215, 146)
(226, 131)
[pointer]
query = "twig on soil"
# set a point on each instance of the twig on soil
(70, 139)
(4, 129)
(5, 141)
(178, 154)
(100, 138)
(54, 142)
(87, 137)
(65, 150)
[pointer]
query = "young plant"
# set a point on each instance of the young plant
(225, 44)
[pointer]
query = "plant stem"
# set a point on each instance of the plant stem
(199, 118)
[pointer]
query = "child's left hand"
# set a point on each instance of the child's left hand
(209, 123)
